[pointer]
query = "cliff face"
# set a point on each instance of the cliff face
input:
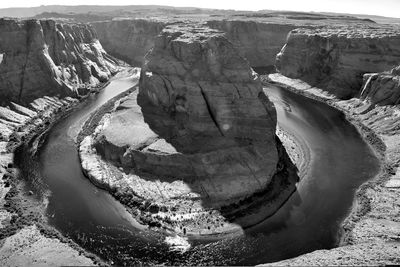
(195, 79)
(202, 97)
(336, 58)
(128, 40)
(46, 58)
(257, 42)
(382, 88)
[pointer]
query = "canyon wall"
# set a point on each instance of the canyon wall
(128, 40)
(336, 58)
(39, 58)
(257, 42)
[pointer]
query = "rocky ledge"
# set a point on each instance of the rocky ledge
(40, 58)
(195, 150)
(336, 58)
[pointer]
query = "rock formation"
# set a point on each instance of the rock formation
(47, 58)
(257, 42)
(128, 40)
(336, 58)
(199, 136)
(198, 94)
(382, 88)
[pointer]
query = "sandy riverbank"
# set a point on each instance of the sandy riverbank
(371, 232)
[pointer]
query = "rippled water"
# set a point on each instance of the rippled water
(340, 162)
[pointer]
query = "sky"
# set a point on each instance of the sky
(390, 8)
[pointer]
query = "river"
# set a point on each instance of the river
(339, 162)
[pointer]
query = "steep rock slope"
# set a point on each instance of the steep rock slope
(257, 42)
(128, 40)
(336, 58)
(47, 58)
(199, 138)
(382, 88)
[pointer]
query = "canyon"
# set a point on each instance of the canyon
(195, 140)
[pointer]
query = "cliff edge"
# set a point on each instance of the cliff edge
(39, 58)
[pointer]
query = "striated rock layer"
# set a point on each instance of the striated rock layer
(128, 40)
(257, 42)
(198, 94)
(40, 58)
(382, 88)
(199, 136)
(336, 58)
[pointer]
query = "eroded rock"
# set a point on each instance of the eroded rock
(382, 88)
(256, 41)
(48, 58)
(197, 142)
(128, 40)
(336, 58)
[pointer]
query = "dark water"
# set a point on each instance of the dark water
(340, 162)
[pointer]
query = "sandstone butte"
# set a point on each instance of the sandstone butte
(41, 58)
(197, 143)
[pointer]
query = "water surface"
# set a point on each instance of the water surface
(340, 161)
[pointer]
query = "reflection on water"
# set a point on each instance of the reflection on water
(340, 162)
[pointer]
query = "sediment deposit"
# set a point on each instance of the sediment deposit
(336, 58)
(199, 138)
(41, 58)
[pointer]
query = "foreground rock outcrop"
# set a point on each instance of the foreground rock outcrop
(336, 58)
(41, 58)
(197, 144)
